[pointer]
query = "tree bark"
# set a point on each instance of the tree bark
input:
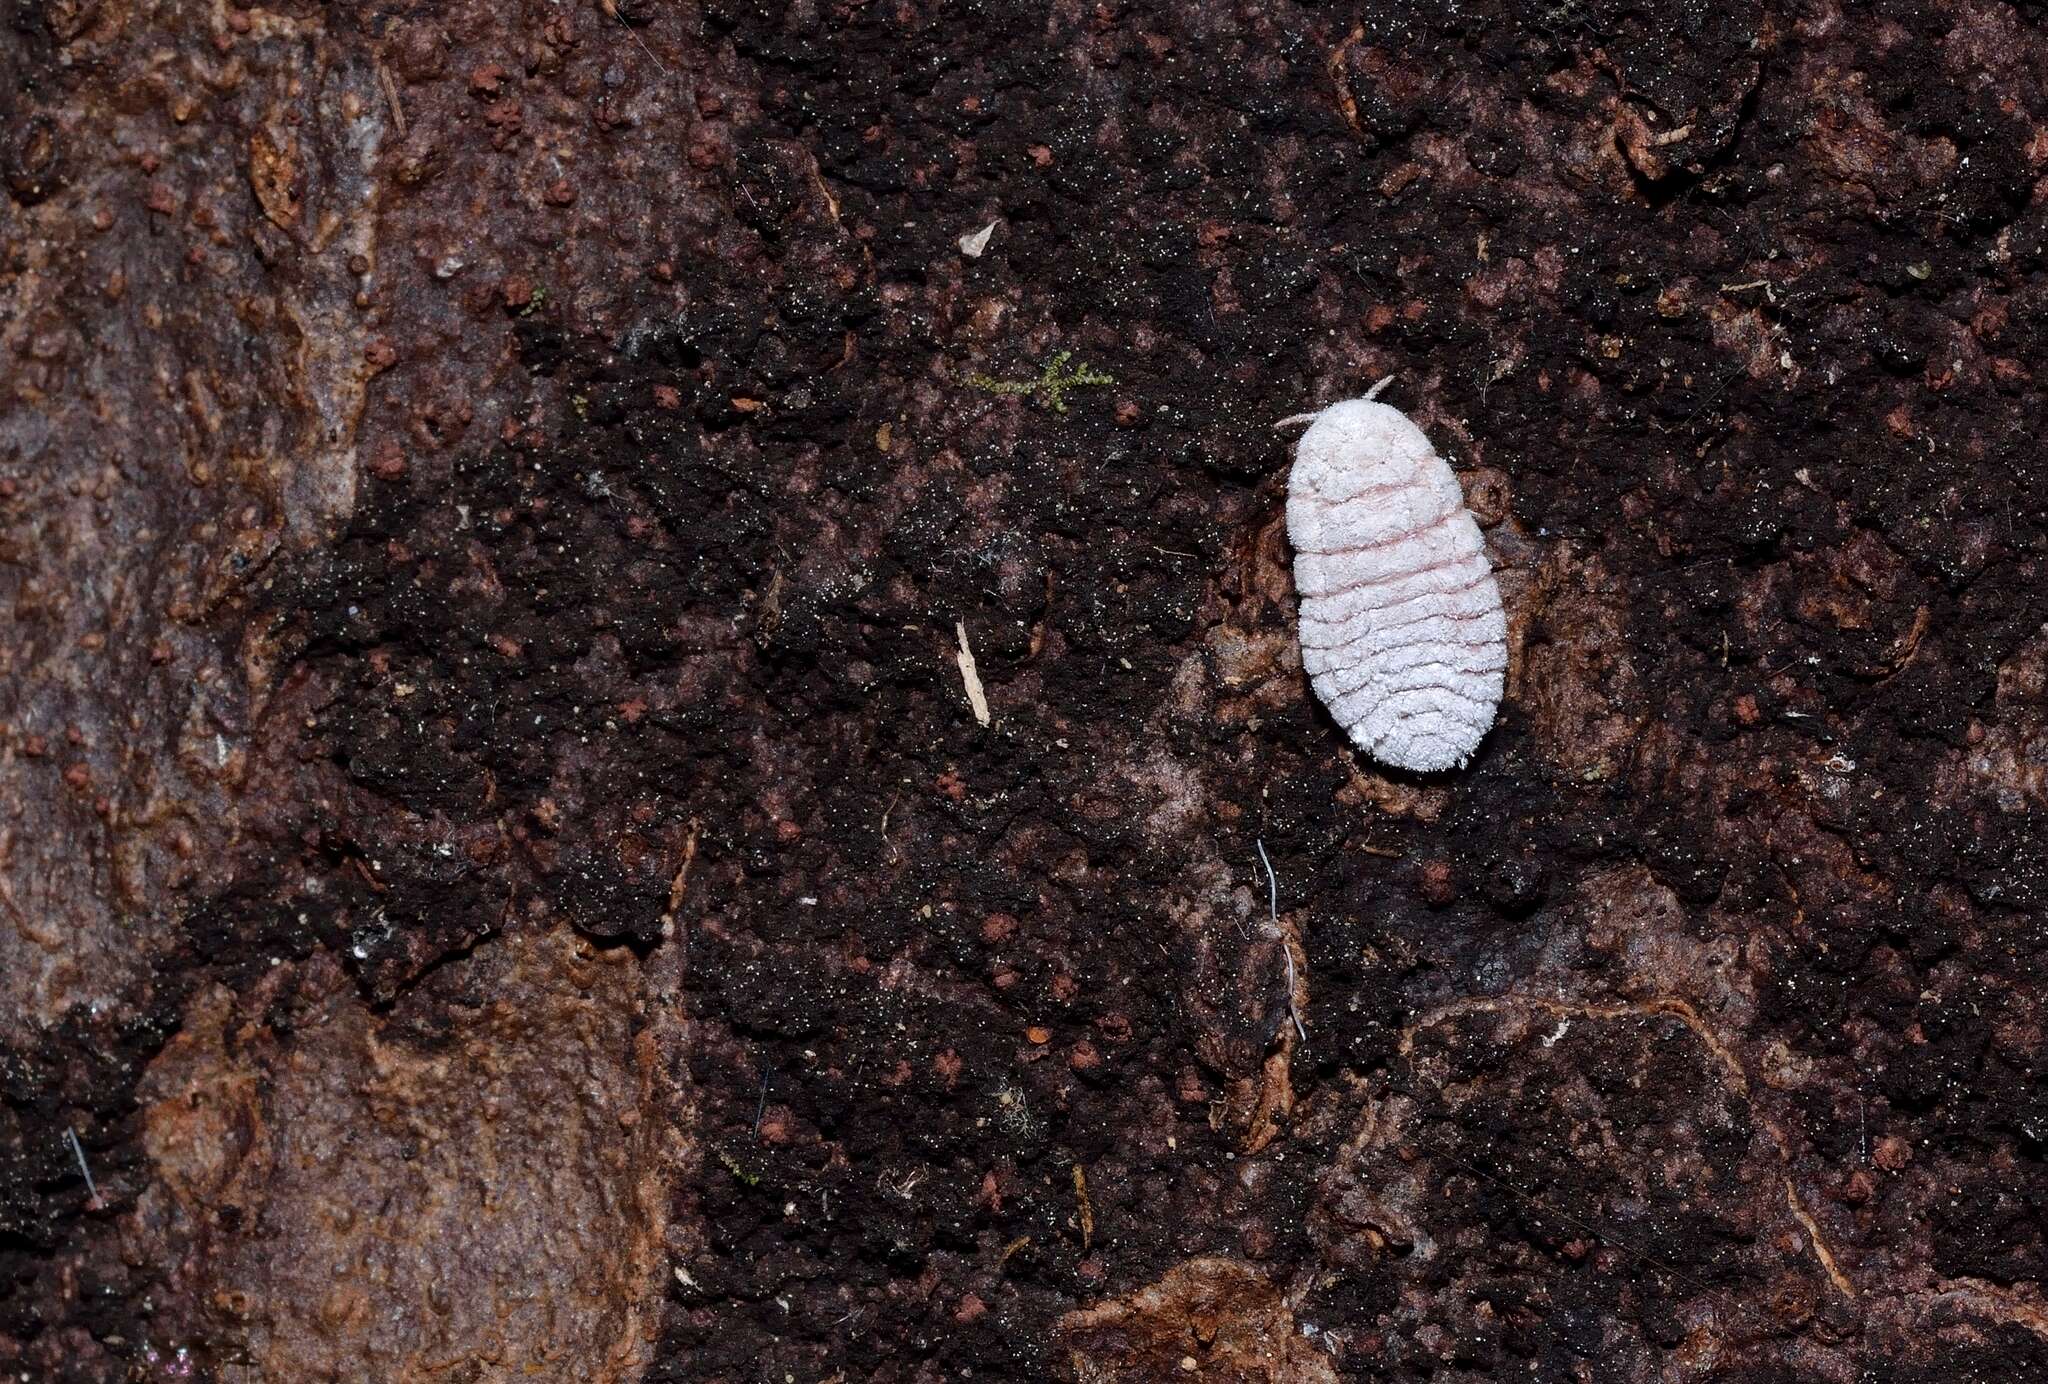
(648, 674)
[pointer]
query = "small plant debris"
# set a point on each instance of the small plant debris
(732, 1165)
(1052, 384)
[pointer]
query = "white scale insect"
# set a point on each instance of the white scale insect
(1402, 633)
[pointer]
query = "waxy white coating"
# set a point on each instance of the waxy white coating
(1402, 633)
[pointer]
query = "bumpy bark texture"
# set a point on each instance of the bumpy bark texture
(502, 875)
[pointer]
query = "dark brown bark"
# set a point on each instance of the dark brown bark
(502, 871)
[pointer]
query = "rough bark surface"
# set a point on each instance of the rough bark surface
(619, 761)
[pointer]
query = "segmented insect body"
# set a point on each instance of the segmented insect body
(1402, 633)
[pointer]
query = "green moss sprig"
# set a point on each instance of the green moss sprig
(1052, 384)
